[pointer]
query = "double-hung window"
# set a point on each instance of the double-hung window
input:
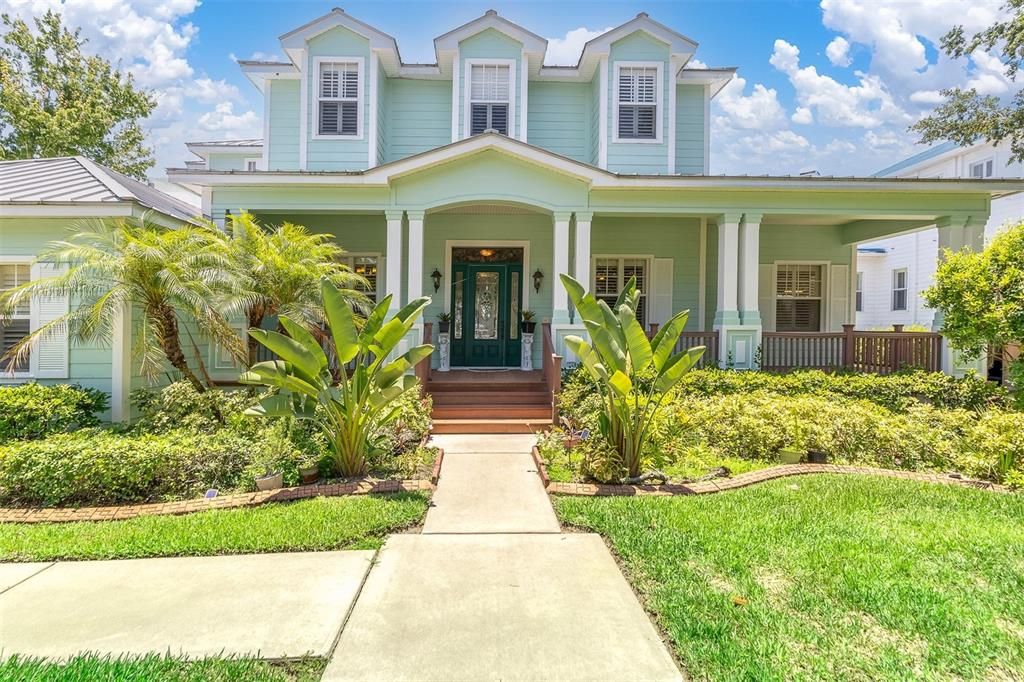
(798, 297)
(366, 266)
(899, 289)
(637, 103)
(860, 292)
(18, 324)
(612, 273)
(982, 169)
(339, 99)
(489, 98)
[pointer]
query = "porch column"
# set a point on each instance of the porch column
(559, 297)
(581, 269)
(393, 273)
(957, 233)
(415, 284)
(727, 311)
(749, 237)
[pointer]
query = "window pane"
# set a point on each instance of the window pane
(349, 118)
(627, 121)
(499, 118)
(11, 276)
(797, 315)
(489, 83)
(339, 80)
(637, 85)
(460, 283)
(645, 122)
(798, 281)
(485, 307)
(606, 278)
(367, 267)
(11, 332)
(635, 267)
(330, 118)
(514, 307)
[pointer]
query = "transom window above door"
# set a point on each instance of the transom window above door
(798, 297)
(339, 99)
(612, 273)
(490, 94)
(637, 99)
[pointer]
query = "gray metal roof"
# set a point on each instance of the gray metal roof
(227, 143)
(76, 179)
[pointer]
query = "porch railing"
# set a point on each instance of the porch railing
(861, 351)
(687, 340)
(551, 364)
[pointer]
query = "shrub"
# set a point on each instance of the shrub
(181, 406)
(33, 410)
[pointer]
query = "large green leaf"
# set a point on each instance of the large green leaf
(620, 383)
(664, 342)
(636, 340)
(283, 405)
(585, 352)
(678, 365)
(627, 294)
(585, 303)
(308, 341)
(304, 360)
(375, 319)
(341, 321)
(413, 309)
(390, 333)
(613, 355)
(391, 372)
(279, 375)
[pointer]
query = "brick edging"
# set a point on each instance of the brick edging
(435, 475)
(759, 476)
(233, 501)
(542, 469)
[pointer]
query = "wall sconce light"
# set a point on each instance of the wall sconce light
(436, 276)
(538, 277)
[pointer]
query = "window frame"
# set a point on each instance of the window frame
(646, 294)
(6, 376)
(467, 92)
(256, 161)
(659, 101)
(349, 259)
(858, 292)
(360, 63)
(985, 163)
(824, 297)
(905, 289)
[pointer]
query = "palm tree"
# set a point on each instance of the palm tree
(172, 276)
(277, 273)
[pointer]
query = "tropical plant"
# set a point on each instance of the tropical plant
(352, 411)
(172, 276)
(632, 373)
(277, 271)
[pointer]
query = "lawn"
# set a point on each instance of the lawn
(827, 577)
(323, 523)
(152, 667)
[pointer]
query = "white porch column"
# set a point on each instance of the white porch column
(559, 297)
(749, 241)
(415, 284)
(958, 233)
(727, 311)
(121, 366)
(393, 273)
(581, 269)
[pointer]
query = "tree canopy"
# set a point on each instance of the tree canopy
(58, 101)
(967, 116)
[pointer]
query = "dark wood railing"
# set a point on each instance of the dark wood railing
(551, 364)
(689, 340)
(861, 351)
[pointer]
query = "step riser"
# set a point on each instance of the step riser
(492, 412)
(491, 427)
(487, 387)
(463, 398)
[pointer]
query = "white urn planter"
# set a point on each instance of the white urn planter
(526, 360)
(444, 348)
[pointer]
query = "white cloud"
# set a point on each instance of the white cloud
(803, 116)
(838, 52)
(566, 51)
(223, 119)
(208, 90)
(760, 110)
(257, 56)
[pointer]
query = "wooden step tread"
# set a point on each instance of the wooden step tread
(490, 425)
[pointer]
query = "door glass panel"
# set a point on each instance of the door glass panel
(485, 307)
(513, 317)
(460, 283)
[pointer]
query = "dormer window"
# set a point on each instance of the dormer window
(637, 102)
(489, 98)
(339, 98)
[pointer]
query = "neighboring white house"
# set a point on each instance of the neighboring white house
(892, 273)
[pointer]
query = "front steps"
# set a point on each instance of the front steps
(490, 402)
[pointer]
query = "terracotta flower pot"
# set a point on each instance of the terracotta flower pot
(271, 482)
(309, 474)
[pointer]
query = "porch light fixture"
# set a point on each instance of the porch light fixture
(538, 277)
(486, 253)
(436, 276)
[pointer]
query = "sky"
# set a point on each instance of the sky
(830, 86)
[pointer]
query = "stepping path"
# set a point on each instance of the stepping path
(492, 589)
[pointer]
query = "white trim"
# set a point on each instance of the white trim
(265, 152)
(672, 94)
(648, 275)
(456, 83)
(659, 102)
(524, 78)
(360, 63)
(33, 322)
(371, 118)
(304, 112)
(467, 76)
(905, 289)
(981, 162)
(702, 274)
(414, 261)
(393, 253)
(602, 115)
(121, 366)
(707, 130)
(68, 210)
(449, 244)
(584, 233)
(257, 160)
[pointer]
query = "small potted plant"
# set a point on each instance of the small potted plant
(528, 324)
(444, 322)
(795, 449)
(270, 480)
(309, 470)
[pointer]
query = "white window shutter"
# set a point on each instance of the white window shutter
(661, 291)
(50, 355)
(839, 297)
(766, 296)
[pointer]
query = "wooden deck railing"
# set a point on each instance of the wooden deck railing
(551, 364)
(688, 340)
(861, 351)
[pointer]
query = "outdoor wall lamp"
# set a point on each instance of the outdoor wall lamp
(436, 276)
(538, 277)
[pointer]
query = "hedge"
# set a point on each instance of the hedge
(34, 410)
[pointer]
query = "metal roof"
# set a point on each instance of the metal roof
(227, 143)
(931, 153)
(76, 179)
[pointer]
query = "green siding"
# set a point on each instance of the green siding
(690, 129)
(803, 242)
(233, 161)
(341, 153)
(559, 118)
(711, 276)
(284, 124)
(675, 238)
(595, 119)
(490, 44)
(419, 116)
(638, 157)
(383, 127)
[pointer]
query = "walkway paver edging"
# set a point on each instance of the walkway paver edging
(754, 477)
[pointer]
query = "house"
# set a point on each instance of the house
(893, 272)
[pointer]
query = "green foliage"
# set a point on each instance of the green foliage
(966, 116)
(32, 410)
(58, 102)
(351, 411)
(181, 406)
(158, 667)
(618, 361)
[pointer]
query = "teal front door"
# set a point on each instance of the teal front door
(487, 300)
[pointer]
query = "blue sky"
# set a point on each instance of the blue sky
(829, 85)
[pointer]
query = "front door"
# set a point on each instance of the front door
(486, 317)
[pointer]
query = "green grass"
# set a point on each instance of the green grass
(322, 523)
(844, 577)
(145, 668)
